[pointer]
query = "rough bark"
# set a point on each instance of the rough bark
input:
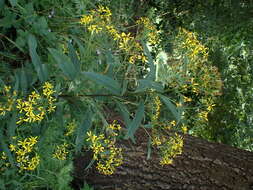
(202, 166)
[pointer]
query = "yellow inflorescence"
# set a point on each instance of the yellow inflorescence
(4, 164)
(114, 128)
(157, 109)
(193, 46)
(198, 77)
(10, 98)
(71, 126)
(170, 149)
(100, 20)
(153, 37)
(106, 153)
(61, 152)
(35, 108)
(26, 158)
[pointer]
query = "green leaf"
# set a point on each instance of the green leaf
(16, 86)
(144, 84)
(151, 74)
(149, 148)
(107, 82)
(74, 58)
(64, 63)
(82, 50)
(124, 112)
(23, 80)
(41, 71)
(64, 177)
(1, 4)
(12, 125)
(171, 107)
(136, 122)
(124, 87)
(13, 2)
(82, 129)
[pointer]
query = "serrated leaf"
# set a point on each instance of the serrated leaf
(105, 81)
(136, 122)
(42, 73)
(171, 107)
(82, 129)
(64, 63)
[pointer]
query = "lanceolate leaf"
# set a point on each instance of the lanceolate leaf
(107, 82)
(41, 71)
(12, 125)
(171, 107)
(64, 63)
(124, 112)
(144, 84)
(82, 129)
(74, 58)
(136, 122)
(151, 74)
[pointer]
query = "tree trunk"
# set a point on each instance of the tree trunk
(203, 165)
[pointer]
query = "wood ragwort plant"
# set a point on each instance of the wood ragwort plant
(94, 87)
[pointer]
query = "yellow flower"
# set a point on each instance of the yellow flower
(35, 108)
(94, 28)
(4, 157)
(71, 126)
(184, 129)
(187, 99)
(157, 108)
(24, 151)
(105, 151)
(173, 123)
(61, 152)
(156, 141)
(87, 19)
(12, 147)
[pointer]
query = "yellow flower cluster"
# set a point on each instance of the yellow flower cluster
(171, 148)
(9, 99)
(61, 152)
(100, 20)
(198, 78)
(184, 128)
(4, 164)
(71, 126)
(193, 46)
(152, 36)
(157, 109)
(35, 108)
(166, 126)
(114, 128)
(26, 158)
(105, 152)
